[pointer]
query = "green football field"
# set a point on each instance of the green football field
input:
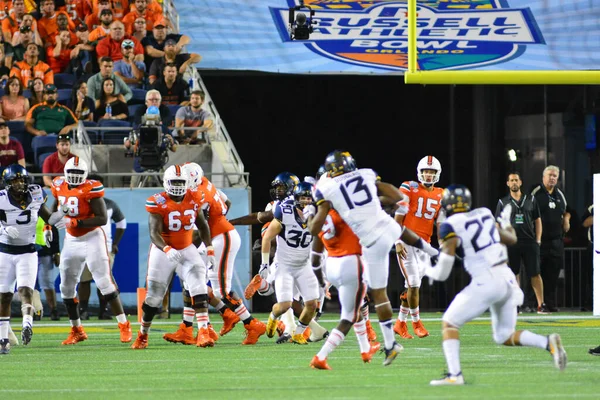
(104, 368)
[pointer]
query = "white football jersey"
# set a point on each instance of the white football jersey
(479, 239)
(22, 218)
(354, 196)
(293, 242)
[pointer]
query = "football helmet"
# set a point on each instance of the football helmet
(195, 174)
(303, 195)
(283, 185)
(176, 181)
(16, 178)
(429, 162)
(339, 162)
(320, 172)
(76, 171)
(456, 199)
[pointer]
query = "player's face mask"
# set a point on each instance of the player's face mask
(18, 185)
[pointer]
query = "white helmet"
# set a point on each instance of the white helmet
(429, 162)
(76, 170)
(175, 181)
(195, 174)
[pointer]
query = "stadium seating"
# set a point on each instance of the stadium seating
(139, 96)
(63, 95)
(42, 144)
(95, 136)
(64, 81)
(132, 110)
(17, 131)
(114, 137)
(173, 108)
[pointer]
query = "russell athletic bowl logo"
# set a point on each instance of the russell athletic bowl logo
(453, 34)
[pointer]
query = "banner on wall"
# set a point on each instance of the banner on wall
(370, 36)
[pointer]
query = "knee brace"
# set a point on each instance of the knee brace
(155, 294)
(111, 296)
(149, 311)
(200, 301)
(230, 301)
(187, 299)
(6, 298)
(72, 306)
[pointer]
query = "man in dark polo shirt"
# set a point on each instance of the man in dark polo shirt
(173, 89)
(50, 117)
(11, 151)
(555, 223)
(55, 162)
(525, 219)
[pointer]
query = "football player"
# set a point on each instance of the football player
(173, 214)
(356, 194)
(424, 201)
(345, 270)
(80, 200)
(475, 236)
(292, 264)
(20, 205)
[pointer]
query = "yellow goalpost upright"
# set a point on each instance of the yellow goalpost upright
(414, 75)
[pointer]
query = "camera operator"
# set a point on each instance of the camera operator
(154, 98)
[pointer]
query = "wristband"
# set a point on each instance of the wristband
(47, 227)
(399, 241)
(210, 251)
(264, 258)
(166, 248)
(314, 253)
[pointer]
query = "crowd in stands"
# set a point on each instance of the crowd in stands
(102, 62)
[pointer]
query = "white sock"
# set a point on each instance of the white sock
(300, 328)
(387, 329)
(76, 322)
(242, 312)
(202, 318)
(403, 314)
(4, 324)
(27, 320)
(360, 328)
(334, 340)
(531, 339)
(188, 315)
(121, 318)
(364, 310)
(27, 310)
(452, 352)
(288, 320)
(145, 327)
(414, 314)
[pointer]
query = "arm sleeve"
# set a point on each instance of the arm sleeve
(55, 244)
(319, 198)
(117, 215)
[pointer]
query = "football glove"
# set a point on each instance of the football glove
(10, 231)
(210, 255)
(504, 218)
(48, 236)
(308, 211)
(172, 254)
(264, 271)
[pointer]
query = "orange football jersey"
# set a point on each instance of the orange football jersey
(214, 208)
(338, 238)
(424, 207)
(78, 199)
(178, 218)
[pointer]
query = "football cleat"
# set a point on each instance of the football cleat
(229, 320)
(54, 315)
(594, 351)
(557, 350)
(299, 339)
(204, 339)
(449, 379)
(317, 333)
(26, 334)
(285, 338)
(254, 330)
(12, 338)
(391, 354)
(280, 328)
(543, 309)
(366, 357)
(419, 329)
(252, 287)
(4, 346)
(271, 327)
(319, 364)
(184, 335)
(306, 333)
(211, 332)
(401, 329)
(76, 335)
(125, 332)
(370, 331)
(141, 342)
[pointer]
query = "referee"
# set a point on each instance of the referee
(556, 221)
(525, 219)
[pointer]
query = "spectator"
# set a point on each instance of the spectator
(61, 55)
(119, 109)
(525, 219)
(155, 44)
(152, 6)
(119, 7)
(50, 117)
(555, 223)
(93, 20)
(139, 30)
(110, 46)
(11, 150)
(141, 10)
(32, 67)
(102, 31)
(86, 50)
(82, 106)
(106, 71)
(14, 105)
(173, 89)
(37, 92)
(153, 98)
(52, 22)
(28, 21)
(132, 72)
(4, 70)
(12, 22)
(63, 23)
(182, 61)
(55, 163)
(22, 41)
(193, 116)
(77, 10)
